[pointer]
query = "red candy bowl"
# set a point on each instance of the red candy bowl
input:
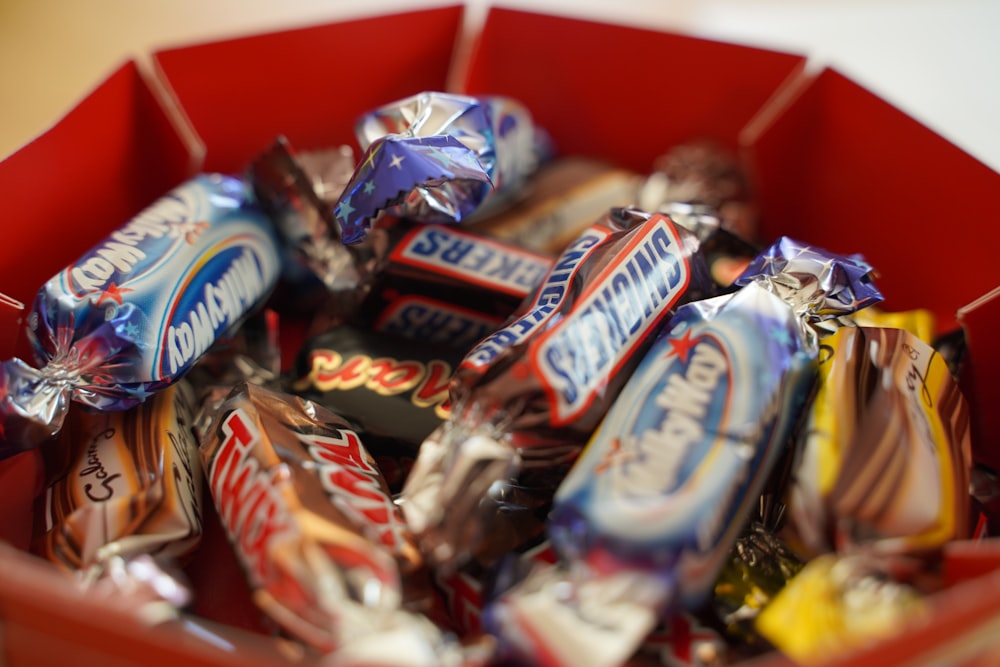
(831, 163)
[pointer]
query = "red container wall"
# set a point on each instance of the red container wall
(620, 93)
(108, 158)
(842, 168)
(309, 84)
(833, 164)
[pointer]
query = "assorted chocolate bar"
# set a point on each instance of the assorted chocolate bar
(538, 409)
(126, 507)
(140, 308)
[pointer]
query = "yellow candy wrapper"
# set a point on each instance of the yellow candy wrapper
(884, 455)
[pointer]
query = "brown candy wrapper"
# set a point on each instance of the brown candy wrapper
(314, 526)
(389, 388)
(703, 173)
(559, 201)
(132, 491)
(885, 454)
(295, 189)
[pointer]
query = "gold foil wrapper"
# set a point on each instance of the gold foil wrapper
(836, 605)
(885, 452)
(133, 487)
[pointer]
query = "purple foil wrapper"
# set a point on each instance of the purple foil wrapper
(438, 157)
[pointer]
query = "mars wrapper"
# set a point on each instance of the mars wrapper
(134, 313)
(647, 516)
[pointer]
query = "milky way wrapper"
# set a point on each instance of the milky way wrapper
(885, 453)
(132, 492)
(649, 513)
(134, 313)
(526, 398)
(438, 157)
(324, 548)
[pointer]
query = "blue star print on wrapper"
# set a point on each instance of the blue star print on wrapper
(438, 158)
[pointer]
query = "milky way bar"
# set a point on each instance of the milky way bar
(135, 312)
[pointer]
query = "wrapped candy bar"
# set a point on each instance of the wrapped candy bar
(527, 397)
(447, 285)
(385, 386)
(647, 516)
(298, 191)
(128, 508)
(707, 175)
(323, 546)
(135, 312)
(438, 157)
(560, 200)
(838, 605)
(885, 454)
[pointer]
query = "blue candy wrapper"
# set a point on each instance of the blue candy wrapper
(134, 313)
(438, 157)
(644, 520)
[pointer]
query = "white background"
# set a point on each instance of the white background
(938, 60)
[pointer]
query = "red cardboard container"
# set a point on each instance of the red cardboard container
(832, 164)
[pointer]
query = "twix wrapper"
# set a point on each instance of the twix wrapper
(312, 522)
(132, 490)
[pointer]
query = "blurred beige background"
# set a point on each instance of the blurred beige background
(936, 59)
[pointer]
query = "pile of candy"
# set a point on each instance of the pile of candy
(466, 401)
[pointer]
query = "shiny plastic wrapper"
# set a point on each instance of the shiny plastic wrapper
(128, 509)
(136, 312)
(322, 543)
(298, 191)
(389, 388)
(438, 157)
(836, 605)
(885, 454)
(648, 515)
(707, 175)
